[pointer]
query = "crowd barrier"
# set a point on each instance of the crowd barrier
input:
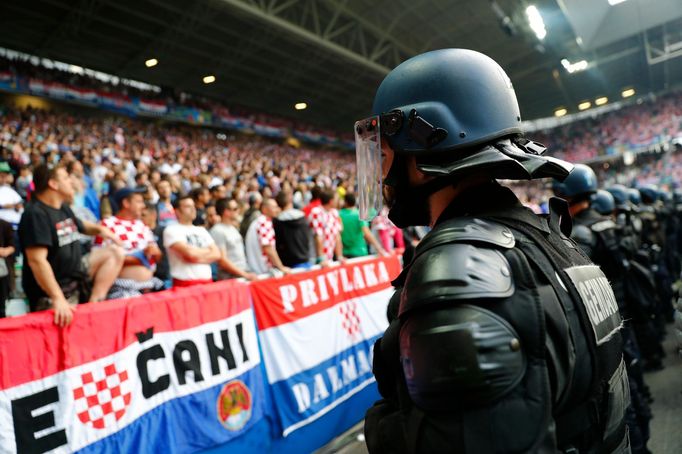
(277, 365)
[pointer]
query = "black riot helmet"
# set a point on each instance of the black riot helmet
(455, 110)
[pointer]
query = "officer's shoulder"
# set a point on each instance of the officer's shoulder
(582, 234)
(603, 225)
(468, 230)
(461, 259)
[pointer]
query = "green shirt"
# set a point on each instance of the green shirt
(353, 240)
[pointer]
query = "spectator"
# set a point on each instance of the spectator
(391, 237)
(261, 253)
(7, 250)
(141, 251)
(11, 202)
(191, 249)
(24, 182)
(201, 197)
(326, 226)
(356, 234)
(85, 197)
(164, 207)
(149, 218)
(212, 217)
(232, 262)
(56, 276)
(314, 200)
(294, 239)
(162, 268)
(255, 202)
(218, 192)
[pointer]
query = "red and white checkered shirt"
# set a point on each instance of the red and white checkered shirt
(381, 222)
(134, 234)
(327, 225)
(266, 235)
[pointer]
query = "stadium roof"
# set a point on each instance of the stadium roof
(271, 54)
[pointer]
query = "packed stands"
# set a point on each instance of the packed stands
(635, 127)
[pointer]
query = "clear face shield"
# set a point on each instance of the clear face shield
(373, 163)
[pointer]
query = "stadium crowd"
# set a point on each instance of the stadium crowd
(650, 122)
(34, 69)
(153, 206)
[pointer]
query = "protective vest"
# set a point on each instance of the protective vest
(598, 237)
(506, 338)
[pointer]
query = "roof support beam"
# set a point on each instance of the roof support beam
(314, 36)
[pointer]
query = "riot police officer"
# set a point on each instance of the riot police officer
(654, 240)
(594, 233)
(604, 203)
(601, 238)
(503, 336)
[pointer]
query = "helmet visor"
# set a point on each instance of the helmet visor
(369, 172)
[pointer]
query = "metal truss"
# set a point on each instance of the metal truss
(661, 45)
(333, 26)
(241, 52)
(79, 16)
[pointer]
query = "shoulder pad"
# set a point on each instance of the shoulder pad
(468, 230)
(456, 271)
(464, 356)
(600, 226)
(582, 234)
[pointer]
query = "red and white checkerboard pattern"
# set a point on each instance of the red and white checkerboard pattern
(326, 224)
(133, 233)
(266, 235)
(103, 397)
(350, 321)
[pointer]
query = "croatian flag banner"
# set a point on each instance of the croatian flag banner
(317, 330)
(176, 371)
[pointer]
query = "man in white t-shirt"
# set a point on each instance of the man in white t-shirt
(261, 254)
(191, 249)
(11, 203)
(232, 262)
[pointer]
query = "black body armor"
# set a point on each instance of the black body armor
(503, 338)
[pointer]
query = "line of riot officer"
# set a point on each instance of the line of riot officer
(634, 236)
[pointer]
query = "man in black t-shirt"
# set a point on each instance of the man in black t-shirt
(294, 239)
(56, 276)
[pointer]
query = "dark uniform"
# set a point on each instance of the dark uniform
(503, 336)
(599, 237)
(654, 242)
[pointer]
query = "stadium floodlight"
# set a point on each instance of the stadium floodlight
(151, 62)
(601, 100)
(615, 2)
(584, 105)
(209, 79)
(560, 112)
(628, 92)
(535, 22)
(574, 67)
(300, 106)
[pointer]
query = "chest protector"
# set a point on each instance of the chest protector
(523, 306)
(598, 238)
